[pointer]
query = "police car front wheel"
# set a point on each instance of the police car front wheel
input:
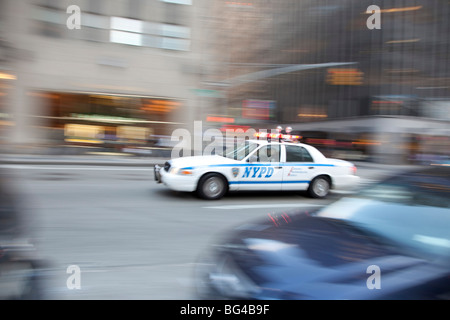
(212, 187)
(319, 187)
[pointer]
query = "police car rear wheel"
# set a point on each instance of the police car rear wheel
(319, 187)
(211, 187)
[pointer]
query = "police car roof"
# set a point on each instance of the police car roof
(317, 155)
(276, 141)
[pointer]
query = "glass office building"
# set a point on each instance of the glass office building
(377, 83)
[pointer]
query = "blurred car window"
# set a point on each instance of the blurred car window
(411, 210)
(241, 151)
(297, 154)
(413, 189)
(269, 153)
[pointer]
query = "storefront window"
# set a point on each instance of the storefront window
(114, 121)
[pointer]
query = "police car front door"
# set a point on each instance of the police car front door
(263, 170)
(298, 168)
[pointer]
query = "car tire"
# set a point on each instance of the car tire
(319, 187)
(212, 186)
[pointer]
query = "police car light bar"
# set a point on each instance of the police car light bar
(279, 136)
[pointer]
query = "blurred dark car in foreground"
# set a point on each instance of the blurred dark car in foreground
(21, 270)
(389, 241)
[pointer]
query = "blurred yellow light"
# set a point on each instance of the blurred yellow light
(312, 115)
(132, 133)
(344, 76)
(367, 142)
(392, 10)
(441, 164)
(6, 76)
(6, 123)
(81, 133)
(401, 9)
(83, 141)
(403, 41)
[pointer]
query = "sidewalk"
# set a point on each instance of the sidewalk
(131, 160)
(84, 160)
(69, 155)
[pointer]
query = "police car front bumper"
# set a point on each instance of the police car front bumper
(177, 182)
(157, 174)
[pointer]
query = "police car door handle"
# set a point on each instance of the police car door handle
(310, 167)
(278, 167)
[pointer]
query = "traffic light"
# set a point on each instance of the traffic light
(344, 77)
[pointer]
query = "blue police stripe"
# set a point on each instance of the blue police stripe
(264, 165)
(267, 182)
(274, 164)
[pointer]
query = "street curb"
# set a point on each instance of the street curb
(83, 162)
(69, 163)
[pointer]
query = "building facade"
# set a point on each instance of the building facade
(82, 71)
(134, 69)
(325, 69)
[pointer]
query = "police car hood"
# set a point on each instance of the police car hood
(197, 161)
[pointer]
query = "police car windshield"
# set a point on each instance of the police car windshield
(241, 151)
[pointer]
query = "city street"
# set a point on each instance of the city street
(130, 237)
(95, 94)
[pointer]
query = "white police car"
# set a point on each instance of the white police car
(258, 165)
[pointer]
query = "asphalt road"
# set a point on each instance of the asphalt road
(130, 237)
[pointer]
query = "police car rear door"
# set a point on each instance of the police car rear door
(298, 167)
(263, 170)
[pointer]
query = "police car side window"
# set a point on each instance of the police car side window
(297, 154)
(306, 156)
(269, 154)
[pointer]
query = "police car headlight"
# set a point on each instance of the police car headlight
(186, 172)
(182, 171)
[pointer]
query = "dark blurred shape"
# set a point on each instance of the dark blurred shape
(21, 271)
(400, 225)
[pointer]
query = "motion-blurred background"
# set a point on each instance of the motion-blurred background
(136, 70)
(118, 85)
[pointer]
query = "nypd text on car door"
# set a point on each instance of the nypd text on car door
(264, 170)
